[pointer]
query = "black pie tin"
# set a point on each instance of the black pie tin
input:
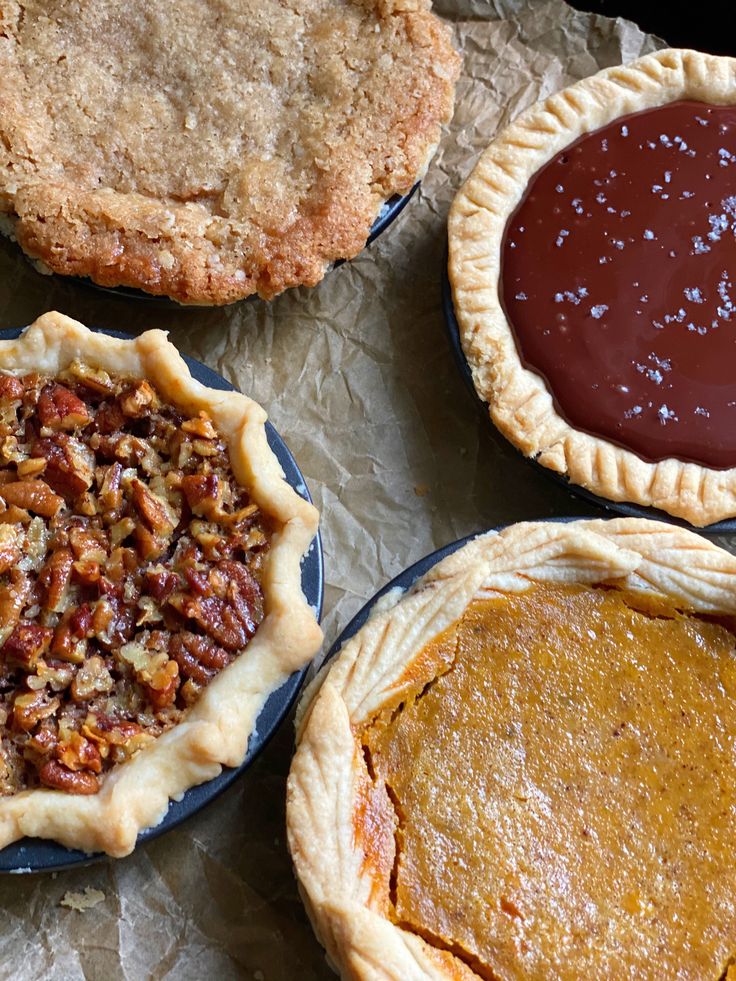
(40, 855)
(627, 510)
(390, 210)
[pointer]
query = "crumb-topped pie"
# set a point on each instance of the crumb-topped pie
(209, 151)
(523, 767)
(591, 264)
(150, 587)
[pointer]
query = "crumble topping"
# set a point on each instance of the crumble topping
(130, 567)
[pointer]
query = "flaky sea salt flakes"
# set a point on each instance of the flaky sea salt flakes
(597, 311)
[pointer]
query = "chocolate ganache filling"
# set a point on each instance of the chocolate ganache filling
(618, 274)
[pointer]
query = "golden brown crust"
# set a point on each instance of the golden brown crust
(326, 788)
(519, 401)
(129, 170)
(216, 732)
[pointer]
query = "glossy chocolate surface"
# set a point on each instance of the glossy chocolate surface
(618, 276)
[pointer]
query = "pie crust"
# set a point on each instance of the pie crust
(215, 731)
(520, 403)
(341, 875)
(236, 149)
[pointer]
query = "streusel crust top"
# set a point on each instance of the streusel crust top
(218, 148)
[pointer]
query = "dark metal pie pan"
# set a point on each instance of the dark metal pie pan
(390, 210)
(40, 855)
(725, 527)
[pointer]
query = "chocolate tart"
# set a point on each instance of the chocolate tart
(150, 584)
(234, 149)
(589, 256)
(522, 767)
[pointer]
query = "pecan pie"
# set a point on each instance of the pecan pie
(591, 263)
(149, 581)
(524, 767)
(207, 150)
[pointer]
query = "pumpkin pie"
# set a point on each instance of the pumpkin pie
(209, 151)
(590, 261)
(150, 587)
(523, 767)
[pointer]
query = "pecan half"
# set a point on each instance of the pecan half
(32, 495)
(59, 408)
(199, 658)
(57, 776)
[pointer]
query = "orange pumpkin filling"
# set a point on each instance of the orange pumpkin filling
(557, 797)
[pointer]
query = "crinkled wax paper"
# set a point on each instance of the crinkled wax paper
(358, 377)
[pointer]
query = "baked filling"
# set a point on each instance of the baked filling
(130, 568)
(219, 149)
(618, 282)
(559, 797)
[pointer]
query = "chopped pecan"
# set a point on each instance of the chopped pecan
(10, 550)
(109, 418)
(200, 425)
(80, 621)
(93, 678)
(32, 495)
(162, 687)
(69, 464)
(13, 597)
(96, 379)
(202, 492)
(116, 732)
(11, 388)
(27, 643)
(32, 467)
(161, 583)
(113, 622)
(199, 658)
(138, 400)
(78, 754)
(60, 408)
(56, 775)
(88, 544)
(66, 647)
(55, 577)
(44, 740)
(111, 496)
(156, 512)
(30, 708)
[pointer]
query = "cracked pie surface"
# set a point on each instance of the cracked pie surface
(150, 587)
(591, 265)
(216, 149)
(523, 767)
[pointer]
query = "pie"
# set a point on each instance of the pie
(591, 266)
(150, 586)
(209, 151)
(524, 768)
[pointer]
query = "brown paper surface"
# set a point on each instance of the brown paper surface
(358, 377)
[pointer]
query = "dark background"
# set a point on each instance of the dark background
(706, 24)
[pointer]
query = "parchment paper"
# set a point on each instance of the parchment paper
(358, 378)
